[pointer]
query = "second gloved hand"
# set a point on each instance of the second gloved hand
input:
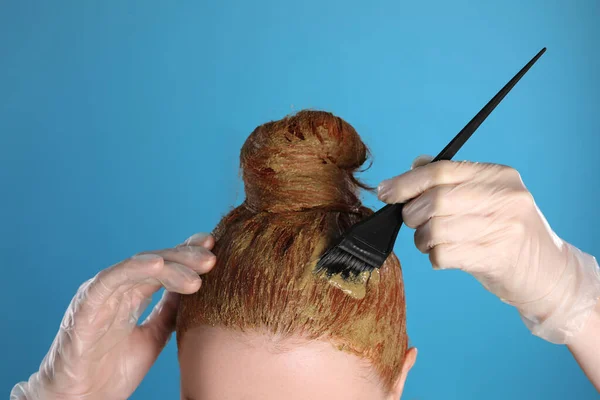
(480, 218)
(100, 352)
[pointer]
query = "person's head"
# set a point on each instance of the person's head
(264, 326)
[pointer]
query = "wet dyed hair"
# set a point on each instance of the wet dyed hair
(301, 193)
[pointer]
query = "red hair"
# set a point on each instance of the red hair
(301, 194)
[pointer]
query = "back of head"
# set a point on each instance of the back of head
(301, 194)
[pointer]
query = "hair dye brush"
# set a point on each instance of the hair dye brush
(368, 243)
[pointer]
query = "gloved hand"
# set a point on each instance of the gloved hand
(100, 352)
(480, 218)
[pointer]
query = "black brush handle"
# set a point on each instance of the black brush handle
(393, 212)
(461, 138)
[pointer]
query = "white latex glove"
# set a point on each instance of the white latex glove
(481, 219)
(100, 352)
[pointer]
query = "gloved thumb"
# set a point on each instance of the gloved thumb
(421, 160)
(159, 325)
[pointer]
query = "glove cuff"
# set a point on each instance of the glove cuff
(577, 295)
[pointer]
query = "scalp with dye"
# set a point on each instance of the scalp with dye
(301, 193)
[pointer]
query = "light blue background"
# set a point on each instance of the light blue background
(121, 124)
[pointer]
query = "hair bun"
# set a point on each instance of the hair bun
(301, 162)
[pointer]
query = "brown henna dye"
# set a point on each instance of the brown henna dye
(300, 193)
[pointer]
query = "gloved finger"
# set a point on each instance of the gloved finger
(421, 160)
(147, 271)
(451, 229)
(178, 272)
(159, 326)
(202, 239)
(466, 198)
(179, 278)
(471, 257)
(140, 268)
(181, 263)
(173, 277)
(196, 258)
(413, 183)
(92, 311)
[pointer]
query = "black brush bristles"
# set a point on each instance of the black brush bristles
(365, 246)
(368, 243)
